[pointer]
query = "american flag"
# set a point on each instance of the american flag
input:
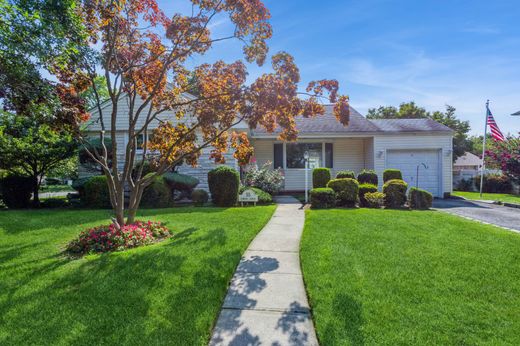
(495, 131)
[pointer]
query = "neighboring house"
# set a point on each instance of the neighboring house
(405, 144)
(466, 167)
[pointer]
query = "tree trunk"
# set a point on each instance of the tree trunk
(36, 196)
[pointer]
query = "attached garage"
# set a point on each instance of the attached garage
(419, 168)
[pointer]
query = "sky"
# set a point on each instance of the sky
(456, 52)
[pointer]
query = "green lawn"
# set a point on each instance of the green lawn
(410, 277)
(502, 197)
(167, 293)
(56, 188)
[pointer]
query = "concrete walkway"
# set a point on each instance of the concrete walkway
(266, 302)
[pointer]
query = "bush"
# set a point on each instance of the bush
(181, 184)
(224, 183)
(199, 197)
(95, 192)
(157, 194)
(263, 197)
(79, 185)
(363, 189)
(148, 167)
(322, 197)
(320, 177)
(346, 190)
(368, 176)
(265, 179)
(395, 193)
(345, 174)
(495, 183)
(16, 191)
(54, 203)
(391, 174)
(108, 238)
(419, 199)
(466, 185)
(375, 199)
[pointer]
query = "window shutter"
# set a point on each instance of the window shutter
(329, 154)
(278, 155)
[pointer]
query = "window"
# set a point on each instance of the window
(140, 142)
(296, 151)
(329, 155)
(278, 155)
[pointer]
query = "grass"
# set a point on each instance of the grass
(410, 277)
(56, 188)
(501, 197)
(167, 293)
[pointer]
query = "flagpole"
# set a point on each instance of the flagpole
(484, 149)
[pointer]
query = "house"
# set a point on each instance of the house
(466, 167)
(420, 148)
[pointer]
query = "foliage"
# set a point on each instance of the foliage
(95, 192)
(263, 196)
(466, 185)
(346, 189)
(505, 156)
(199, 197)
(495, 183)
(50, 203)
(79, 185)
(33, 147)
(112, 238)
(147, 58)
(89, 145)
(346, 174)
(270, 181)
(66, 170)
(395, 193)
(181, 183)
(157, 194)
(419, 199)
(224, 183)
(363, 189)
(368, 176)
(461, 141)
(16, 191)
(375, 199)
(390, 174)
(320, 177)
(322, 197)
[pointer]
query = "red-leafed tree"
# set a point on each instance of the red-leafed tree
(505, 155)
(143, 57)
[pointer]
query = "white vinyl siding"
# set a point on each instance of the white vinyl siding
(440, 142)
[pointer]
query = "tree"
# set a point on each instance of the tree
(143, 55)
(505, 155)
(32, 147)
(461, 142)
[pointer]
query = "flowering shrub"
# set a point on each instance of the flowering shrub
(266, 179)
(109, 238)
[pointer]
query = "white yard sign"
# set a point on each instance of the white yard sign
(248, 196)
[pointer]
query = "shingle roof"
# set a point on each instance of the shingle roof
(468, 159)
(328, 123)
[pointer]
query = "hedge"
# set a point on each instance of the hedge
(263, 197)
(181, 182)
(368, 176)
(320, 177)
(363, 189)
(224, 183)
(375, 199)
(322, 197)
(345, 174)
(16, 191)
(419, 199)
(157, 194)
(95, 192)
(346, 190)
(395, 193)
(390, 174)
(199, 197)
(495, 183)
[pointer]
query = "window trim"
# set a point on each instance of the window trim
(323, 153)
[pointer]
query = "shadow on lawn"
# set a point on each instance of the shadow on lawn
(158, 294)
(348, 314)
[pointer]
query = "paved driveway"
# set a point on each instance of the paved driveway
(491, 213)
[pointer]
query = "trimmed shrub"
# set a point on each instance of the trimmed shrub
(395, 193)
(265, 179)
(322, 197)
(391, 174)
(466, 185)
(419, 199)
(320, 177)
(79, 185)
(368, 176)
(16, 191)
(224, 183)
(363, 189)
(157, 194)
(263, 197)
(495, 183)
(346, 190)
(375, 199)
(199, 197)
(95, 192)
(181, 184)
(345, 174)
(54, 203)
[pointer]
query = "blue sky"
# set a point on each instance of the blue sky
(387, 52)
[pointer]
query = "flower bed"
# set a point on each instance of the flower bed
(108, 238)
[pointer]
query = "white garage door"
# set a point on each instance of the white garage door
(408, 160)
